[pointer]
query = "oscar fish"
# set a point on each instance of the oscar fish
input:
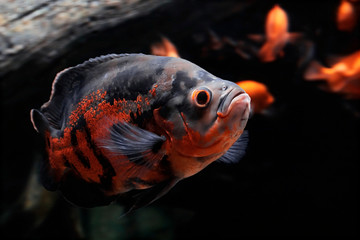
(128, 127)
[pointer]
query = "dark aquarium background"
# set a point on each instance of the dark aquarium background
(298, 178)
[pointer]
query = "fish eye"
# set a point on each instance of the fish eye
(201, 97)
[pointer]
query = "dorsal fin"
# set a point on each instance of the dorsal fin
(66, 87)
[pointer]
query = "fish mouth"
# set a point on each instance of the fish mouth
(231, 97)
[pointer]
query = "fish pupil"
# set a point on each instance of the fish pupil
(202, 98)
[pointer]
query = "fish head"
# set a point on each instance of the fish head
(204, 116)
(217, 110)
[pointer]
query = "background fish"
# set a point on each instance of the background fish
(342, 77)
(133, 125)
(276, 35)
(346, 18)
(260, 96)
(164, 48)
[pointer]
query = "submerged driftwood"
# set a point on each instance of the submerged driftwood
(42, 30)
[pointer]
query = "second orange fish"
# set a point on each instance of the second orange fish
(260, 96)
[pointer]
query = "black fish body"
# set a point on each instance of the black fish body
(130, 126)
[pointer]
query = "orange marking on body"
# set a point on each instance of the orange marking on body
(205, 141)
(187, 149)
(138, 102)
(99, 116)
(84, 105)
(56, 160)
(96, 169)
(147, 101)
(153, 90)
(62, 149)
(182, 152)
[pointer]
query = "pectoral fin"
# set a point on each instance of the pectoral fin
(136, 144)
(237, 151)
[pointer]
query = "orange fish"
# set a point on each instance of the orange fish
(128, 127)
(164, 48)
(276, 34)
(346, 18)
(342, 77)
(260, 96)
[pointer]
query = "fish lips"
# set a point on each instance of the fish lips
(235, 100)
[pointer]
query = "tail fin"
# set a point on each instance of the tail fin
(41, 124)
(314, 71)
(48, 176)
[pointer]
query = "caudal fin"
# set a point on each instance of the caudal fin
(40, 123)
(314, 71)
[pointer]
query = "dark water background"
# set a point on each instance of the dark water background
(300, 174)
